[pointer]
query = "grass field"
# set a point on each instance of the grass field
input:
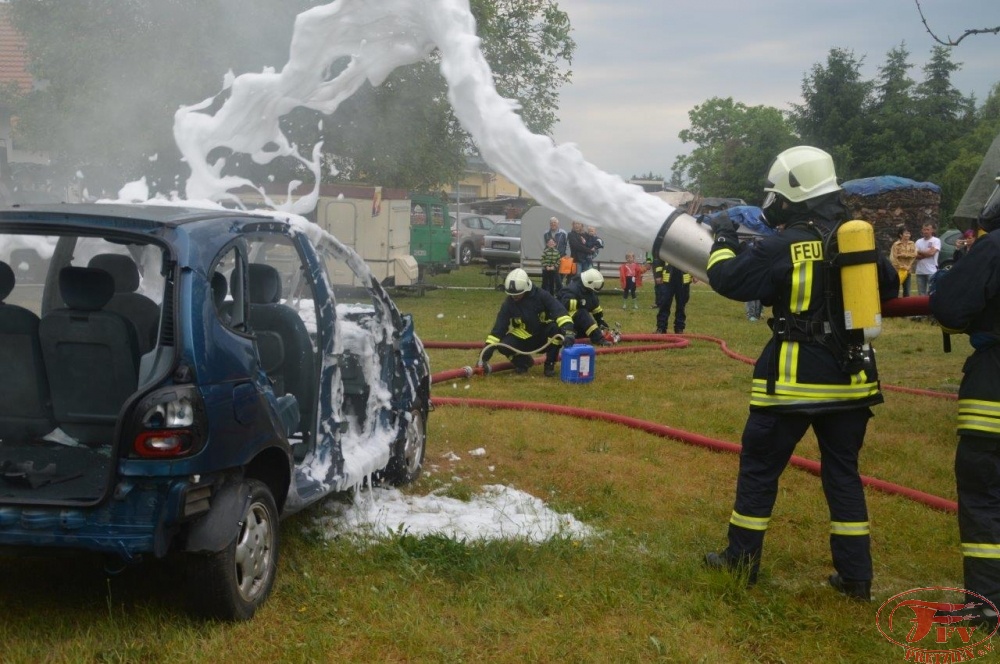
(637, 593)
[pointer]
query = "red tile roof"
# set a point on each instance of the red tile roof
(13, 54)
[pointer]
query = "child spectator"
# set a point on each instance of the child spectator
(630, 274)
(594, 242)
(550, 267)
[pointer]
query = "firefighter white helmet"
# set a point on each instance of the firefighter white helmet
(800, 173)
(517, 282)
(592, 279)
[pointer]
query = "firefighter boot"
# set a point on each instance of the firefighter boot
(859, 590)
(743, 568)
(521, 363)
(549, 370)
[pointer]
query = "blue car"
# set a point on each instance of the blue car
(176, 380)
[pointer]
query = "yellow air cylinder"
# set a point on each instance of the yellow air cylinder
(859, 278)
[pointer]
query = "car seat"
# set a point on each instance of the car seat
(91, 356)
(25, 409)
(142, 311)
(282, 340)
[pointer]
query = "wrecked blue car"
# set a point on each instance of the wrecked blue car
(176, 380)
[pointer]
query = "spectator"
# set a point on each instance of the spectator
(550, 267)
(562, 244)
(630, 274)
(594, 243)
(578, 249)
(928, 248)
(902, 256)
(529, 318)
(963, 245)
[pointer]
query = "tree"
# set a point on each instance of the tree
(894, 122)
(735, 144)
(969, 151)
(944, 115)
(835, 113)
(417, 143)
(116, 71)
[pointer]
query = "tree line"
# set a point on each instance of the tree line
(925, 130)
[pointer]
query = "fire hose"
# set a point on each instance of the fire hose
(671, 341)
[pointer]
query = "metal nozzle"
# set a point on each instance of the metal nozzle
(684, 243)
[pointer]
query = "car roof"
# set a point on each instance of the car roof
(153, 215)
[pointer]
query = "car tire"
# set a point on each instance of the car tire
(465, 254)
(407, 458)
(233, 583)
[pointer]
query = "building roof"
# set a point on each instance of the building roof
(13, 54)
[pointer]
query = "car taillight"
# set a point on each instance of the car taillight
(169, 424)
(164, 443)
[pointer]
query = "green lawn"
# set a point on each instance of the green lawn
(635, 594)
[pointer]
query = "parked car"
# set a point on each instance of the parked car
(181, 378)
(467, 235)
(948, 246)
(503, 244)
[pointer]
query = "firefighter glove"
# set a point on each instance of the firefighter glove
(721, 223)
(568, 339)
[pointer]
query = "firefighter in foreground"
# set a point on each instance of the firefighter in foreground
(580, 298)
(529, 318)
(812, 372)
(967, 299)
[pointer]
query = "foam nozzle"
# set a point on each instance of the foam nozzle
(685, 243)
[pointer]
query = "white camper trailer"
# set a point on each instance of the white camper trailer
(374, 221)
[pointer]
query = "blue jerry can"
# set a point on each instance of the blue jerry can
(577, 364)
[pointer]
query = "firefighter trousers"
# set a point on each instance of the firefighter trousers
(530, 345)
(769, 438)
(671, 293)
(977, 476)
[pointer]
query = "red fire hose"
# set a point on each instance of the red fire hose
(668, 341)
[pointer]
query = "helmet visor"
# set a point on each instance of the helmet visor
(769, 200)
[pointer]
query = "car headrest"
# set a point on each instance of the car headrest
(220, 287)
(121, 268)
(265, 284)
(85, 288)
(6, 280)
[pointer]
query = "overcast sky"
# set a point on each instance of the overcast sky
(640, 66)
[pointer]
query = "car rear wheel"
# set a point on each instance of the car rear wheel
(465, 254)
(407, 457)
(233, 583)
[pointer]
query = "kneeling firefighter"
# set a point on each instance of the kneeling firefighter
(967, 299)
(580, 298)
(529, 318)
(818, 369)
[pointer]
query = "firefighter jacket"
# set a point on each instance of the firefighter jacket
(663, 273)
(576, 297)
(966, 298)
(530, 316)
(802, 368)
